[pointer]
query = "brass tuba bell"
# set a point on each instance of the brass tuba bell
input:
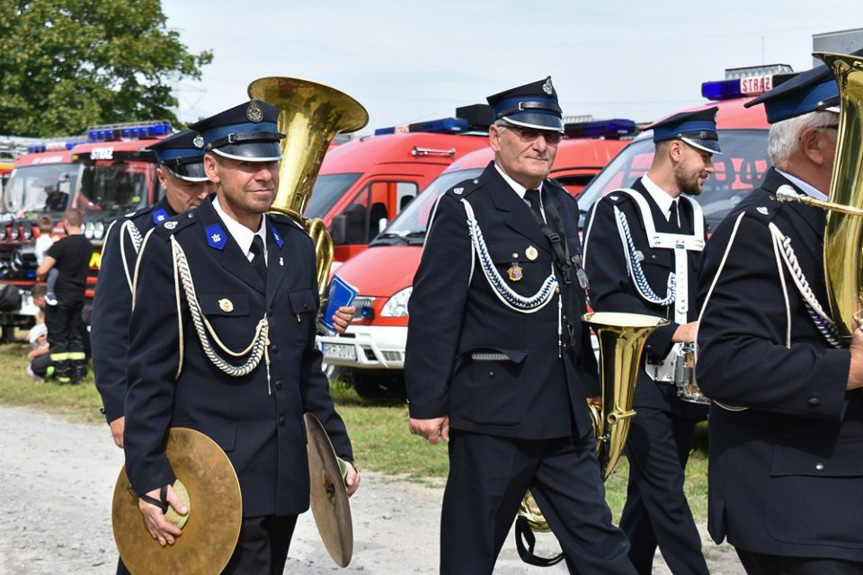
(621, 340)
(311, 116)
(843, 231)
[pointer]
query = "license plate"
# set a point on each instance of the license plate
(338, 351)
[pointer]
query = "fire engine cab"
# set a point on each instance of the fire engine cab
(105, 174)
(363, 184)
(373, 347)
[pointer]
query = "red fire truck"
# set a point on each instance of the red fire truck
(365, 183)
(105, 174)
(373, 347)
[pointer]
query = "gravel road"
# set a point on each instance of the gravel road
(58, 477)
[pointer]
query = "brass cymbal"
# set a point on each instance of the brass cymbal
(329, 498)
(213, 525)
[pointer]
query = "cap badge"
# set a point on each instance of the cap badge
(515, 272)
(254, 113)
(547, 87)
(198, 142)
(226, 305)
(531, 253)
(761, 210)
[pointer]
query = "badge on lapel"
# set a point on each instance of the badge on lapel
(515, 272)
(216, 236)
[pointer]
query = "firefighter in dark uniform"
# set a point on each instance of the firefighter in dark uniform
(181, 176)
(786, 424)
(642, 250)
(222, 341)
(497, 363)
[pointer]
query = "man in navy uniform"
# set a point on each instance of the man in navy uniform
(500, 365)
(241, 280)
(641, 252)
(181, 176)
(786, 425)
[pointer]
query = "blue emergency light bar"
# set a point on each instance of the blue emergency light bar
(54, 146)
(610, 129)
(440, 126)
(129, 131)
(742, 87)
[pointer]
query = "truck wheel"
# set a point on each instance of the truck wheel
(378, 384)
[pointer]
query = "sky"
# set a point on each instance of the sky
(413, 61)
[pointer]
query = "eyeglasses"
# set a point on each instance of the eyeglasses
(530, 134)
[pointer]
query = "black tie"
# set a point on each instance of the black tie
(258, 259)
(674, 218)
(532, 196)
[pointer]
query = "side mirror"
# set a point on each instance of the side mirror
(339, 230)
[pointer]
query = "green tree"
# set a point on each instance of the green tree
(69, 64)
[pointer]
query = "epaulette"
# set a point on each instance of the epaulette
(464, 188)
(139, 212)
(557, 186)
(177, 223)
(762, 205)
(284, 220)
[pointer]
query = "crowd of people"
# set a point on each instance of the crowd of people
(205, 317)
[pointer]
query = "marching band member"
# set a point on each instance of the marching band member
(498, 363)
(786, 425)
(181, 176)
(642, 251)
(212, 283)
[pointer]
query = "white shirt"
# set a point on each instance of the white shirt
(521, 190)
(662, 198)
(808, 189)
(241, 234)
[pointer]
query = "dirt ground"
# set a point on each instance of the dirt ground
(57, 479)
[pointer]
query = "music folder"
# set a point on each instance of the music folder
(340, 294)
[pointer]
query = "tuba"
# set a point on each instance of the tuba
(843, 231)
(621, 339)
(311, 116)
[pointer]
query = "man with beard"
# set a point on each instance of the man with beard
(641, 255)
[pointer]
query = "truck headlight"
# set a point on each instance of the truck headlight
(88, 230)
(397, 306)
(98, 230)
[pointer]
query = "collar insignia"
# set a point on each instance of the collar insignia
(276, 236)
(216, 237)
(160, 216)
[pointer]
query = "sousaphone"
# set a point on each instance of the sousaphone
(207, 482)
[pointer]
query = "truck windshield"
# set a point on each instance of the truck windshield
(114, 187)
(328, 189)
(40, 188)
(737, 171)
(413, 220)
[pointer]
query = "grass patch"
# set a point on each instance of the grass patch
(378, 429)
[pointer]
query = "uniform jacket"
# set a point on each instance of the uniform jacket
(786, 474)
(492, 369)
(112, 305)
(613, 289)
(261, 431)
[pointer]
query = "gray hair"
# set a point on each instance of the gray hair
(784, 137)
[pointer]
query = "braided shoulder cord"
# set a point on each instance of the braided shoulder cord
(641, 283)
(510, 298)
(822, 321)
(258, 345)
(137, 240)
